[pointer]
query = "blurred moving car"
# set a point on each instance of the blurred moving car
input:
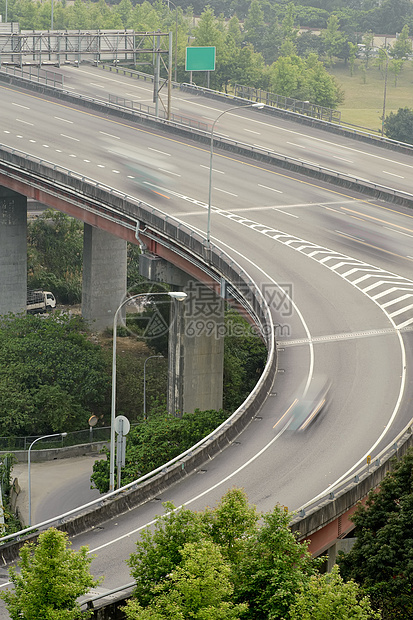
(306, 408)
(148, 169)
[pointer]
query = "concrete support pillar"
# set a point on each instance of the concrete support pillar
(104, 276)
(196, 340)
(342, 544)
(13, 251)
(203, 346)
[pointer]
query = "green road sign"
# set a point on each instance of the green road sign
(200, 59)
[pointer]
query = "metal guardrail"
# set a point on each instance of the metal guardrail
(140, 108)
(35, 73)
(287, 103)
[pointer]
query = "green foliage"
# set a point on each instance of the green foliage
(328, 596)
(50, 579)
(335, 42)
(158, 551)
(156, 441)
(231, 522)
(199, 588)
(244, 359)
(229, 554)
(55, 254)
(307, 79)
(381, 558)
(399, 125)
(52, 377)
(11, 522)
(272, 567)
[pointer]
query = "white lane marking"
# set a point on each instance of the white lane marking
(225, 192)
(160, 152)
(5, 131)
(109, 135)
(18, 136)
(33, 141)
(20, 120)
(272, 189)
(285, 212)
(399, 176)
(116, 171)
(64, 120)
(213, 169)
(46, 146)
(101, 166)
(18, 105)
(251, 131)
(264, 148)
(347, 235)
(350, 161)
(87, 161)
(175, 174)
(398, 231)
(59, 151)
(297, 145)
(70, 137)
(72, 155)
(401, 311)
(97, 85)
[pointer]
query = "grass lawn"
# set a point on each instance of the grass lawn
(364, 92)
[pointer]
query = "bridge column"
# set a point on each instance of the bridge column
(13, 251)
(196, 340)
(104, 276)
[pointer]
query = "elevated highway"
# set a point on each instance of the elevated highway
(288, 232)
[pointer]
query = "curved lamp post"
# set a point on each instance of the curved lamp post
(151, 357)
(249, 105)
(28, 465)
(177, 296)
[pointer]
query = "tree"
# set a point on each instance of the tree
(158, 552)
(254, 26)
(334, 41)
(52, 377)
(271, 568)
(399, 125)
(403, 45)
(328, 596)
(55, 255)
(231, 522)
(199, 588)
(51, 578)
(381, 558)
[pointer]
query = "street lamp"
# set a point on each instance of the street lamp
(151, 357)
(249, 105)
(28, 472)
(177, 296)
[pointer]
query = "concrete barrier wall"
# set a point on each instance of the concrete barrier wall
(51, 454)
(329, 509)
